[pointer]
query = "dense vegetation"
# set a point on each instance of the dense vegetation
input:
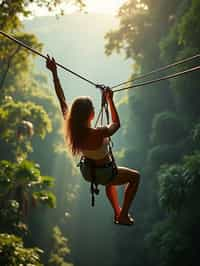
(162, 131)
(160, 136)
(29, 139)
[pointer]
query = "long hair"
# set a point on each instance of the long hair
(76, 123)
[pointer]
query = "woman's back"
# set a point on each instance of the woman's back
(94, 138)
(95, 151)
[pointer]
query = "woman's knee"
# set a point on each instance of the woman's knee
(135, 177)
(126, 175)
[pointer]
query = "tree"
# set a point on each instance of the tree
(11, 10)
(13, 252)
(175, 239)
(20, 182)
(152, 34)
(25, 101)
(12, 114)
(60, 249)
(167, 128)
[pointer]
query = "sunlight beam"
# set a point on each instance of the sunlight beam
(92, 6)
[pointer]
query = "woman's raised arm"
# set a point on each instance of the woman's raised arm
(51, 65)
(110, 129)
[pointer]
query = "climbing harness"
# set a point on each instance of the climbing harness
(89, 163)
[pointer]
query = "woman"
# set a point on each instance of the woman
(92, 143)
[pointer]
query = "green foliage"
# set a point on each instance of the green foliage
(24, 96)
(162, 154)
(39, 93)
(11, 218)
(11, 10)
(139, 31)
(167, 128)
(8, 48)
(190, 20)
(26, 172)
(51, 5)
(18, 182)
(152, 34)
(168, 245)
(172, 187)
(13, 252)
(125, 37)
(11, 115)
(60, 249)
(196, 134)
(45, 197)
(14, 112)
(179, 183)
(174, 240)
(186, 95)
(169, 45)
(15, 62)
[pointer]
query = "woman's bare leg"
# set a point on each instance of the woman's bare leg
(129, 194)
(111, 193)
(131, 178)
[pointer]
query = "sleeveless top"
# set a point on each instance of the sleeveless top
(99, 153)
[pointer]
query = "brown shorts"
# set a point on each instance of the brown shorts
(103, 174)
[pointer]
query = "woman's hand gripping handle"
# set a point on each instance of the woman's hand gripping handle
(115, 125)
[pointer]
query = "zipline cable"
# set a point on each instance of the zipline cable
(160, 79)
(158, 70)
(40, 54)
(126, 88)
